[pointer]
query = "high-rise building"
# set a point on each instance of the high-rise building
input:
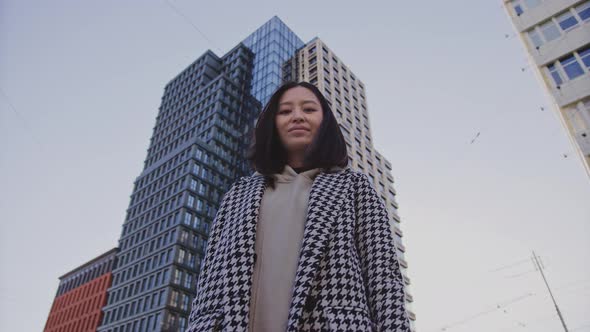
(316, 63)
(81, 294)
(273, 43)
(196, 152)
(556, 35)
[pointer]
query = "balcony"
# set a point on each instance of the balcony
(572, 91)
(568, 42)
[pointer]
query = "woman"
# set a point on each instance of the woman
(303, 244)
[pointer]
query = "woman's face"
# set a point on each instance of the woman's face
(298, 118)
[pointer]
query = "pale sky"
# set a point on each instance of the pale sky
(85, 79)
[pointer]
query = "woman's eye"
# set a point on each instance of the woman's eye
(284, 111)
(310, 110)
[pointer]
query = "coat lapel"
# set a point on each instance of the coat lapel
(322, 211)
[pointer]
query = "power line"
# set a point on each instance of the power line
(510, 265)
(521, 274)
(567, 285)
(581, 327)
(498, 307)
(189, 21)
(22, 119)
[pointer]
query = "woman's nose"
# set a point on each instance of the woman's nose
(297, 114)
(297, 118)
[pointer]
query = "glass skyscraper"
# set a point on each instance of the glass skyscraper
(273, 43)
(195, 153)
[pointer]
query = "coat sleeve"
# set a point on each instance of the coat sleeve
(378, 258)
(206, 284)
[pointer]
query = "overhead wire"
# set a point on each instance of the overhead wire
(24, 122)
(190, 22)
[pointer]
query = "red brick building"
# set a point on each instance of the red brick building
(81, 295)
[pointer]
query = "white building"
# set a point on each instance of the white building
(556, 34)
(318, 64)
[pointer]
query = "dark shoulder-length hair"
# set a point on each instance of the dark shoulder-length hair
(267, 154)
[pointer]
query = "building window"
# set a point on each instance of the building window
(532, 3)
(177, 277)
(571, 67)
(182, 323)
(555, 75)
(184, 236)
(174, 298)
(189, 277)
(181, 254)
(517, 8)
(535, 39)
(567, 21)
(196, 222)
(585, 56)
(584, 10)
(550, 31)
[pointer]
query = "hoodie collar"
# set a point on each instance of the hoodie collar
(288, 173)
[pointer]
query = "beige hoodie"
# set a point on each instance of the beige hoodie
(279, 234)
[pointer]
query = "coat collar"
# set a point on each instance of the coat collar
(322, 212)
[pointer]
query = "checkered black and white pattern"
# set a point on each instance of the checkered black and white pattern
(348, 277)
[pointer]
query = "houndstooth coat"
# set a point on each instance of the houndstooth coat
(347, 279)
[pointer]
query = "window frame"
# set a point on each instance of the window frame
(569, 62)
(585, 7)
(565, 16)
(550, 24)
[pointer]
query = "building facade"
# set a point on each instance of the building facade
(273, 43)
(80, 296)
(195, 153)
(556, 35)
(317, 64)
